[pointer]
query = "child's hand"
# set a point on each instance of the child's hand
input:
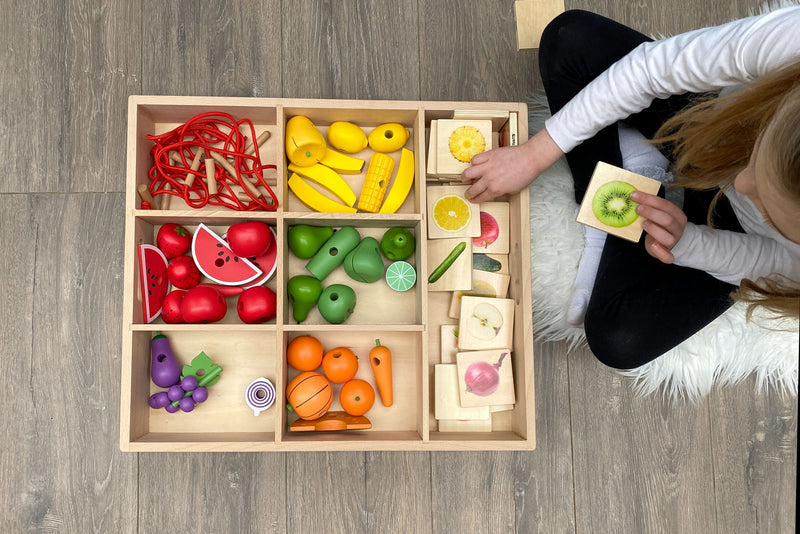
(664, 223)
(508, 170)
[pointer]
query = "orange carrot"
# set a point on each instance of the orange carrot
(380, 358)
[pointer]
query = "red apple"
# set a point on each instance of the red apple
(490, 230)
(251, 238)
(203, 304)
(257, 305)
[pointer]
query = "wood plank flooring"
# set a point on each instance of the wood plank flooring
(606, 461)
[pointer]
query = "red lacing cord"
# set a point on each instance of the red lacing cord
(219, 133)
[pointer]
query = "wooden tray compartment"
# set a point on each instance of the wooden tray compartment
(408, 323)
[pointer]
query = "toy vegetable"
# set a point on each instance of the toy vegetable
(380, 358)
(376, 181)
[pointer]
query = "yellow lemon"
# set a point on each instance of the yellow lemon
(388, 137)
(347, 137)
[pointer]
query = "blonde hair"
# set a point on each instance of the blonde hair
(712, 141)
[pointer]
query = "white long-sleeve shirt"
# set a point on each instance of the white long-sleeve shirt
(702, 60)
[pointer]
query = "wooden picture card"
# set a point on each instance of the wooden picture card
(494, 229)
(465, 425)
(485, 323)
(607, 192)
(450, 214)
(459, 140)
(447, 398)
(449, 343)
(485, 378)
(493, 263)
(458, 276)
(484, 284)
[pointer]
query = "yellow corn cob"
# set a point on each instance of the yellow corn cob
(379, 173)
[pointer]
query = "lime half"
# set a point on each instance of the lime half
(401, 276)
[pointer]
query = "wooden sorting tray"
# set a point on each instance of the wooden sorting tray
(409, 323)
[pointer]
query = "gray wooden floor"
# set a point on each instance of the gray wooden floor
(606, 461)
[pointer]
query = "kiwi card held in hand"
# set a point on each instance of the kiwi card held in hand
(607, 204)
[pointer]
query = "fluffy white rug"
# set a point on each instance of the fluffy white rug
(725, 352)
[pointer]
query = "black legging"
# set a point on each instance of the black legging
(640, 307)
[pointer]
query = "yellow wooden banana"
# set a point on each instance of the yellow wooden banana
(342, 163)
(314, 199)
(329, 179)
(403, 181)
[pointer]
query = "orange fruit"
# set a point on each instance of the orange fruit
(340, 365)
(304, 353)
(310, 395)
(451, 213)
(357, 397)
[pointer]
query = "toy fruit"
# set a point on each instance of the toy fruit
(347, 137)
(333, 252)
(401, 276)
(203, 304)
(388, 137)
(327, 178)
(380, 358)
(304, 353)
(376, 182)
(309, 395)
(403, 180)
(303, 291)
(398, 243)
(171, 307)
(314, 199)
(364, 263)
(218, 262)
(336, 303)
(257, 305)
(305, 145)
(267, 263)
(357, 397)
(251, 238)
(153, 280)
(165, 370)
(183, 273)
(342, 163)
(173, 240)
(340, 365)
(305, 240)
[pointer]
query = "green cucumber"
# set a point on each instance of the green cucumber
(448, 261)
(482, 262)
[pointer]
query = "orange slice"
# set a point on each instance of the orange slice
(451, 213)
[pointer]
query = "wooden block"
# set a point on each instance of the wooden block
(485, 323)
(450, 214)
(484, 284)
(493, 263)
(509, 133)
(458, 276)
(431, 163)
(449, 343)
(447, 399)
(446, 163)
(485, 378)
(499, 117)
(532, 18)
(603, 174)
(465, 425)
(494, 229)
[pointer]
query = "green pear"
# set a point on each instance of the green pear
(336, 303)
(364, 263)
(305, 240)
(304, 291)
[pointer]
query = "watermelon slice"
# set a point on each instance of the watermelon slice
(267, 262)
(152, 280)
(218, 262)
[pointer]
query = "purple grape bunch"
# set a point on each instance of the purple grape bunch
(183, 395)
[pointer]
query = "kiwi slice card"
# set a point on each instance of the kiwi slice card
(607, 204)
